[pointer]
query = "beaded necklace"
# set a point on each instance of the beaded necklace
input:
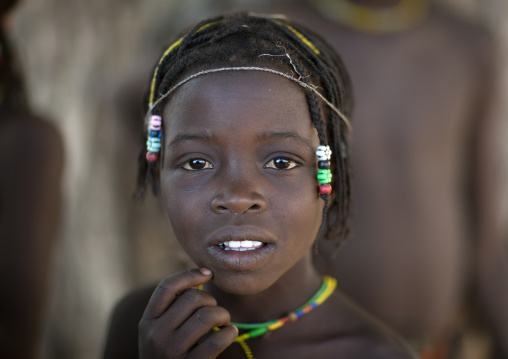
(403, 16)
(258, 329)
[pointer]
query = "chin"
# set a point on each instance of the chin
(242, 283)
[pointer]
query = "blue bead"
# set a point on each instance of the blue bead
(153, 144)
(153, 133)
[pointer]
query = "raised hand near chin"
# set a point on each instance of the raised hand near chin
(179, 319)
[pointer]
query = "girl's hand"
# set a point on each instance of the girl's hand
(178, 318)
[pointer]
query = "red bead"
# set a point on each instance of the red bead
(325, 189)
(152, 157)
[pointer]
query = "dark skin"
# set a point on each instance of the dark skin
(221, 181)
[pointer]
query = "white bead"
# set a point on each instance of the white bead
(324, 153)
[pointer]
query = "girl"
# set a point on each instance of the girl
(246, 130)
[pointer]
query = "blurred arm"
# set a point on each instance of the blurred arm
(31, 162)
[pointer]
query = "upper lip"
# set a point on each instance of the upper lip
(239, 233)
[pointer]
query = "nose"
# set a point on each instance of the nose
(240, 195)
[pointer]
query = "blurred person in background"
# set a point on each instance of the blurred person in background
(425, 255)
(31, 162)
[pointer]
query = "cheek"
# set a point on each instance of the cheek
(299, 209)
(309, 216)
(185, 208)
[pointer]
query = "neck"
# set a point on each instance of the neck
(289, 292)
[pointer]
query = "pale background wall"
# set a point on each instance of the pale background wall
(78, 57)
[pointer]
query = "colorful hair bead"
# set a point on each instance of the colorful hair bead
(152, 157)
(155, 123)
(154, 133)
(323, 165)
(153, 143)
(325, 189)
(324, 176)
(324, 153)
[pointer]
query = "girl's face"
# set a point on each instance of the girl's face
(238, 177)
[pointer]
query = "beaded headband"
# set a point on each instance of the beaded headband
(154, 122)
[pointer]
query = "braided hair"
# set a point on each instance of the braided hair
(245, 40)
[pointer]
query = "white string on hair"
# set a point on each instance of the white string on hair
(300, 76)
(222, 69)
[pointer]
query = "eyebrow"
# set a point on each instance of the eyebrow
(263, 137)
(286, 135)
(190, 137)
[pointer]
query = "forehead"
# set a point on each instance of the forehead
(236, 100)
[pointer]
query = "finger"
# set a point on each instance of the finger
(215, 343)
(199, 324)
(168, 289)
(185, 305)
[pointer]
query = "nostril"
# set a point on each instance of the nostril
(224, 209)
(254, 207)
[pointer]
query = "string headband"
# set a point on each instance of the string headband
(250, 68)
(152, 103)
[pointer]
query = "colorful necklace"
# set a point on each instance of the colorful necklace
(380, 20)
(259, 329)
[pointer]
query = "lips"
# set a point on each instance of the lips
(240, 248)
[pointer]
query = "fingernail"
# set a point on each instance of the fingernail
(205, 271)
(237, 331)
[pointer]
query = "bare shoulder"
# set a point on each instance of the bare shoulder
(336, 329)
(122, 337)
(358, 334)
(368, 348)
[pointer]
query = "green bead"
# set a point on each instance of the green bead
(257, 332)
(324, 176)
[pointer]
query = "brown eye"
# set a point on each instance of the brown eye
(197, 164)
(281, 163)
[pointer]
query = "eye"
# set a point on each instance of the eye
(281, 163)
(197, 164)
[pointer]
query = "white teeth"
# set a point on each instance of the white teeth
(241, 245)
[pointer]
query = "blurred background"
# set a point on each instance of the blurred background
(86, 66)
